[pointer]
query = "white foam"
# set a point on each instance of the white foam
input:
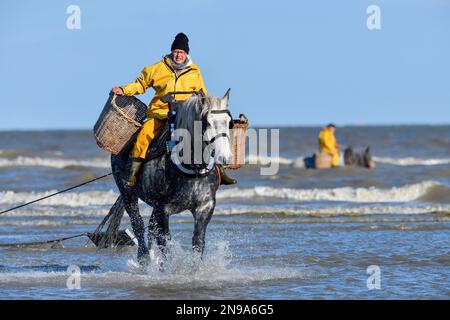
(22, 161)
(39, 222)
(266, 160)
(131, 279)
(298, 162)
(182, 268)
(86, 216)
(68, 199)
(348, 194)
(411, 161)
(330, 210)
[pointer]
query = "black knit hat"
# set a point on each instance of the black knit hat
(181, 42)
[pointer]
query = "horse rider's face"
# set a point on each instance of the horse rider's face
(179, 56)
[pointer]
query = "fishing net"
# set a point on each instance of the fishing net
(111, 236)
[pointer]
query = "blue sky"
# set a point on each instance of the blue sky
(287, 62)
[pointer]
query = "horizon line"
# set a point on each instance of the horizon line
(261, 126)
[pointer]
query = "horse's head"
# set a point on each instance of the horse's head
(217, 122)
(368, 161)
(362, 159)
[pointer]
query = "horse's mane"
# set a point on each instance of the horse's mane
(194, 109)
(189, 111)
(359, 158)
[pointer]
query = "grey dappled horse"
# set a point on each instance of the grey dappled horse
(172, 185)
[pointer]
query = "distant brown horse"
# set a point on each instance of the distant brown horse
(360, 159)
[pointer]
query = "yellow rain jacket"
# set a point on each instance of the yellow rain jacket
(327, 143)
(162, 77)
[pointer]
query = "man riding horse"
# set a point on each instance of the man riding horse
(327, 143)
(175, 72)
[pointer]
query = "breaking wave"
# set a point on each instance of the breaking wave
(411, 161)
(68, 199)
(265, 160)
(22, 161)
(98, 202)
(298, 162)
(253, 213)
(396, 194)
(329, 211)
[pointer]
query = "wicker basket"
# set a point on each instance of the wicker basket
(322, 160)
(238, 139)
(119, 121)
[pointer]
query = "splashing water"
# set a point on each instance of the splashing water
(182, 266)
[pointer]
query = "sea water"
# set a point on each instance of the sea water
(298, 234)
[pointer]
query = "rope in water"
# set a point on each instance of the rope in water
(54, 194)
(26, 244)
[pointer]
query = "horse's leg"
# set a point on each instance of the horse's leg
(152, 230)
(159, 227)
(132, 208)
(202, 216)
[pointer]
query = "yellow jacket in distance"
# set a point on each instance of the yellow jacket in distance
(327, 143)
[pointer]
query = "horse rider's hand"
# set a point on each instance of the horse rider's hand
(117, 90)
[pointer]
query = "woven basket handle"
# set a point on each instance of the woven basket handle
(116, 107)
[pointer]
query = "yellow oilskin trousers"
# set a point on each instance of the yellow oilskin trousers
(327, 143)
(146, 135)
(162, 77)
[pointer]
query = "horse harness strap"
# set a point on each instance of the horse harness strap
(224, 111)
(223, 134)
(219, 176)
(193, 170)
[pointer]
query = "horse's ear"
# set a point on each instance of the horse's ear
(226, 96)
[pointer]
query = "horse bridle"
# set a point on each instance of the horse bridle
(207, 167)
(219, 135)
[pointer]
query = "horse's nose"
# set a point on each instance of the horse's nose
(226, 159)
(220, 159)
